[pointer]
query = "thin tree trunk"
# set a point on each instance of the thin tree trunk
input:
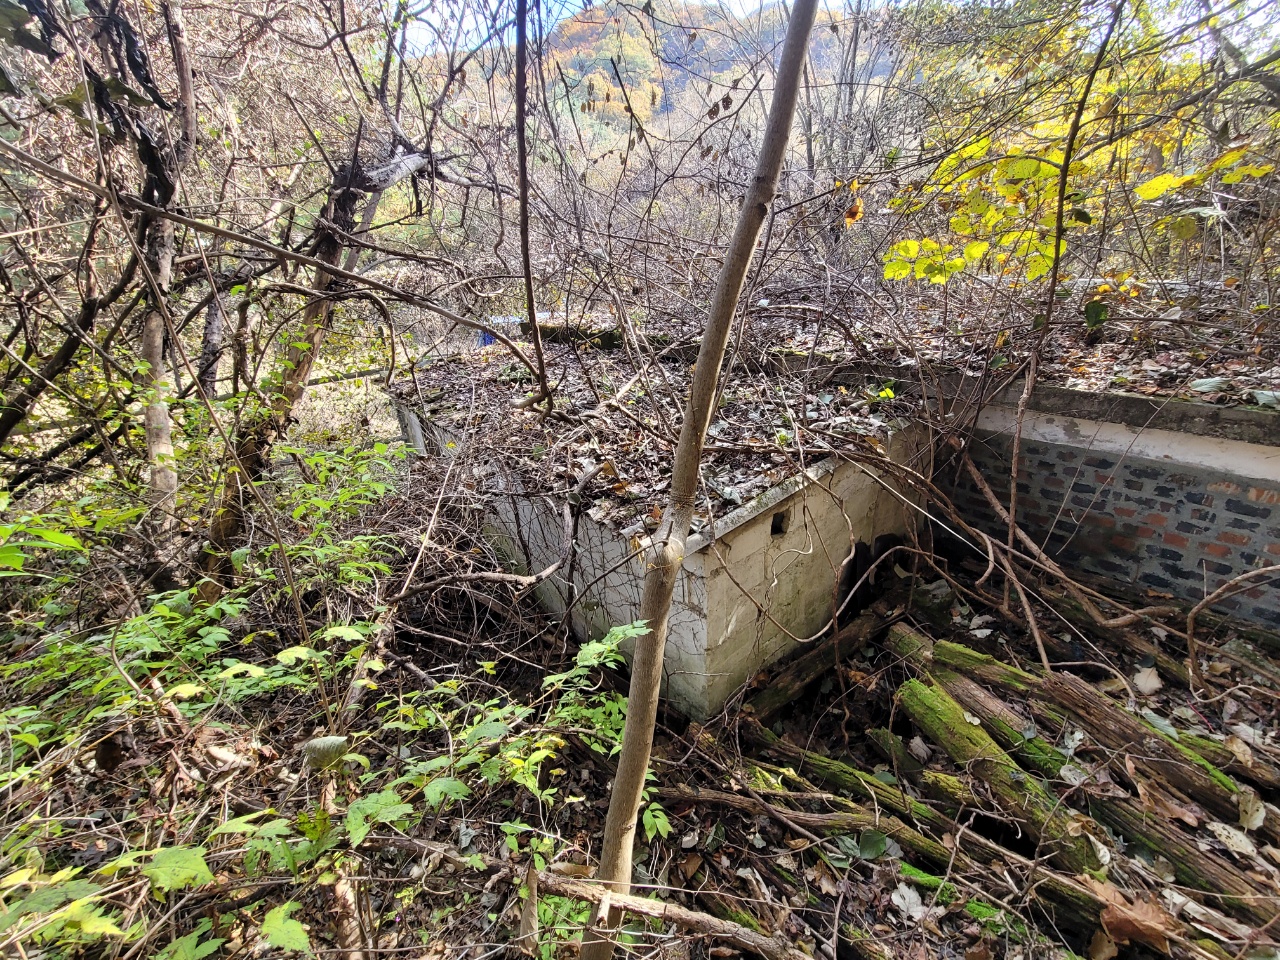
(522, 160)
(155, 381)
(159, 262)
(667, 553)
(211, 347)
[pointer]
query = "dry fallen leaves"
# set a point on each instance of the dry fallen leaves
(1146, 681)
(1142, 920)
(1253, 811)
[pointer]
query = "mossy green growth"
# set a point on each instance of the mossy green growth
(1213, 948)
(992, 918)
(970, 661)
(762, 779)
(742, 919)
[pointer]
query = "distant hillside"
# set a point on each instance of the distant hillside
(663, 50)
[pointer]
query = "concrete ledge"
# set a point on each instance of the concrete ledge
(1246, 424)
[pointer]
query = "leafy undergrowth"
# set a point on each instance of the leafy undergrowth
(313, 764)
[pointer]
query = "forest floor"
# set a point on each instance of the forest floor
(914, 786)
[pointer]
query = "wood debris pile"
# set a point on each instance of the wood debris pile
(939, 800)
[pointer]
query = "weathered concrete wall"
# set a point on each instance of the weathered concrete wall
(773, 576)
(601, 588)
(1176, 513)
(765, 580)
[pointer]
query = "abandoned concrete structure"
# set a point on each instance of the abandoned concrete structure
(1158, 497)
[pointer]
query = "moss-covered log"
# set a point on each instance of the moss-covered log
(1254, 768)
(1023, 796)
(1174, 762)
(1205, 875)
(857, 783)
(952, 792)
(1154, 754)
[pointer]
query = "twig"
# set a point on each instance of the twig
(1234, 585)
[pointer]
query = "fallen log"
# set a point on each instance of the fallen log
(944, 722)
(951, 792)
(789, 685)
(1203, 873)
(1171, 762)
(774, 947)
(1176, 766)
(848, 821)
(1244, 763)
(858, 783)
(1062, 899)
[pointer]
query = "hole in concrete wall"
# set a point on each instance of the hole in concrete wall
(781, 520)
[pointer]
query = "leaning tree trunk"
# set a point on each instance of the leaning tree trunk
(666, 554)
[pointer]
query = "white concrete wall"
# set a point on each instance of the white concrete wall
(606, 583)
(745, 598)
(769, 591)
(1248, 460)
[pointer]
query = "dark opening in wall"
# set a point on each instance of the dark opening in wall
(781, 520)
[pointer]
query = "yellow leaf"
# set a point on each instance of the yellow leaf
(854, 213)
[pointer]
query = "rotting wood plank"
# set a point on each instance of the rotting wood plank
(792, 680)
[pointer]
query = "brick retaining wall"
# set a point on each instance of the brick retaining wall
(1161, 526)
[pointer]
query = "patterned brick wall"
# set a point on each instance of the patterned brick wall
(1168, 528)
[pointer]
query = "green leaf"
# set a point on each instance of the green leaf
(488, 730)
(54, 538)
(1022, 168)
(1158, 187)
(243, 824)
(291, 655)
(343, 632)
(87, 918)
(11, 558)
(1037, 266)
(381, 807)
(189, 947)
(1095, 314)
(976, 249)
(282, 931)
(872, 844)
(444, 788)
(12, 18)
(906, 249)
(1184, 228)
(897, 270)
(176, 868)
(238, 668)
